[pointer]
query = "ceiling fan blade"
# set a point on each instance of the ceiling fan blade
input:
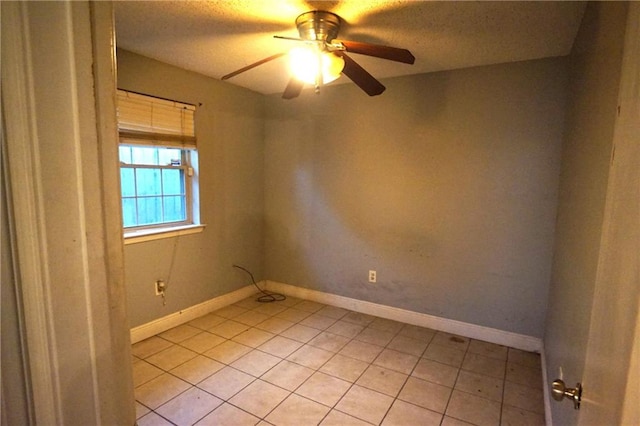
(255, 64)
(360, 76)
(293, 89)
(384, 52)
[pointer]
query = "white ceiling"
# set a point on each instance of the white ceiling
(216, 37)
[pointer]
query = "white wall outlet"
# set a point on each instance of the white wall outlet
(372, 276)
(160, 287)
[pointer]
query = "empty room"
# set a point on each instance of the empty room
(438, 227)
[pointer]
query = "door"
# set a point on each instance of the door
(611, 379)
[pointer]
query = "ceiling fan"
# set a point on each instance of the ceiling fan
(324, 58)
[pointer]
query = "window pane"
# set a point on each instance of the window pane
(129, 212)
(174, 209)
(146, 156)
(170, 157)
(149, 210)
(172, 181)
(127, 182)
(125, 154)
(148, 182)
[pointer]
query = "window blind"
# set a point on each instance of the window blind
(145, 120)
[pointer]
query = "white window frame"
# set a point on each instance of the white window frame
(148, 121)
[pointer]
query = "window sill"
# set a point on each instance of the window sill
(160, 233)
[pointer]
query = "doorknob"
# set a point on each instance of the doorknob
(559, 391)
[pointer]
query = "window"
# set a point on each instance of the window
(158, 162)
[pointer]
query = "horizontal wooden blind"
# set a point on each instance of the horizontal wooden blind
(145, 120)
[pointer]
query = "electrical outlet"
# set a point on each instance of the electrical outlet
(372, 276)
(160, 287)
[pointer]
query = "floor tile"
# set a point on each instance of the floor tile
(227, 352)
(528, 359)
(270, 309)
(360, 350)
(512, 416)
(293, 315)
(329, 341)
(337, 418)
(450, 421)
(419, 333)
(375, 337)
(156, 392)
(435, 372)
(386, 325)
(524, 397)
(318, 321)
(301, 333)
(359, 318)
(205, 322)
(153, 419)
(287, 375)
(226, 382)
(149, 346)
(180, 333)
(189, 407)
(403, 414)
(253, 337)
(473, 409)
(171, 357)
(230, 311)
(259, 398)
(251, 318)
(487, 349)
(484, 365)
(274, 325)
(202, 342)
(407, 345)
(365, 404)
(303, 362)
(309, 306)
(227, 414)
(349, 369)
(197, 369)
(444, 355)
(480, 385)
(248, 303)
(396, 361)
(229, 329)
(346, 329)
(324, 389)
(333, 312)
(382, 380)
(280, 346)
(143, 372)
(296, 411)
(141, 410)
(425, 394)
(524, 375)
(256, 363)
(310, 356)
(451, 340)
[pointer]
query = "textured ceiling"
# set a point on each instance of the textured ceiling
(217, 37)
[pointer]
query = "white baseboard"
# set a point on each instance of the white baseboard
(487, 334)
(175, 319)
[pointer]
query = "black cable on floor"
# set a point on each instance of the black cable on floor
(267, 297)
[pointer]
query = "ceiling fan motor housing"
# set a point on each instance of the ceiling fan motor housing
(318, 25)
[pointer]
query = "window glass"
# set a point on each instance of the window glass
(154, 186)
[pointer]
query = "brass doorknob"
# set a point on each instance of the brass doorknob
(559, 391)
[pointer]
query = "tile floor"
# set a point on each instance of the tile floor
(299, 362)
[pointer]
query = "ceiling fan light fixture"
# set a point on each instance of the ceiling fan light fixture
(304, 65)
